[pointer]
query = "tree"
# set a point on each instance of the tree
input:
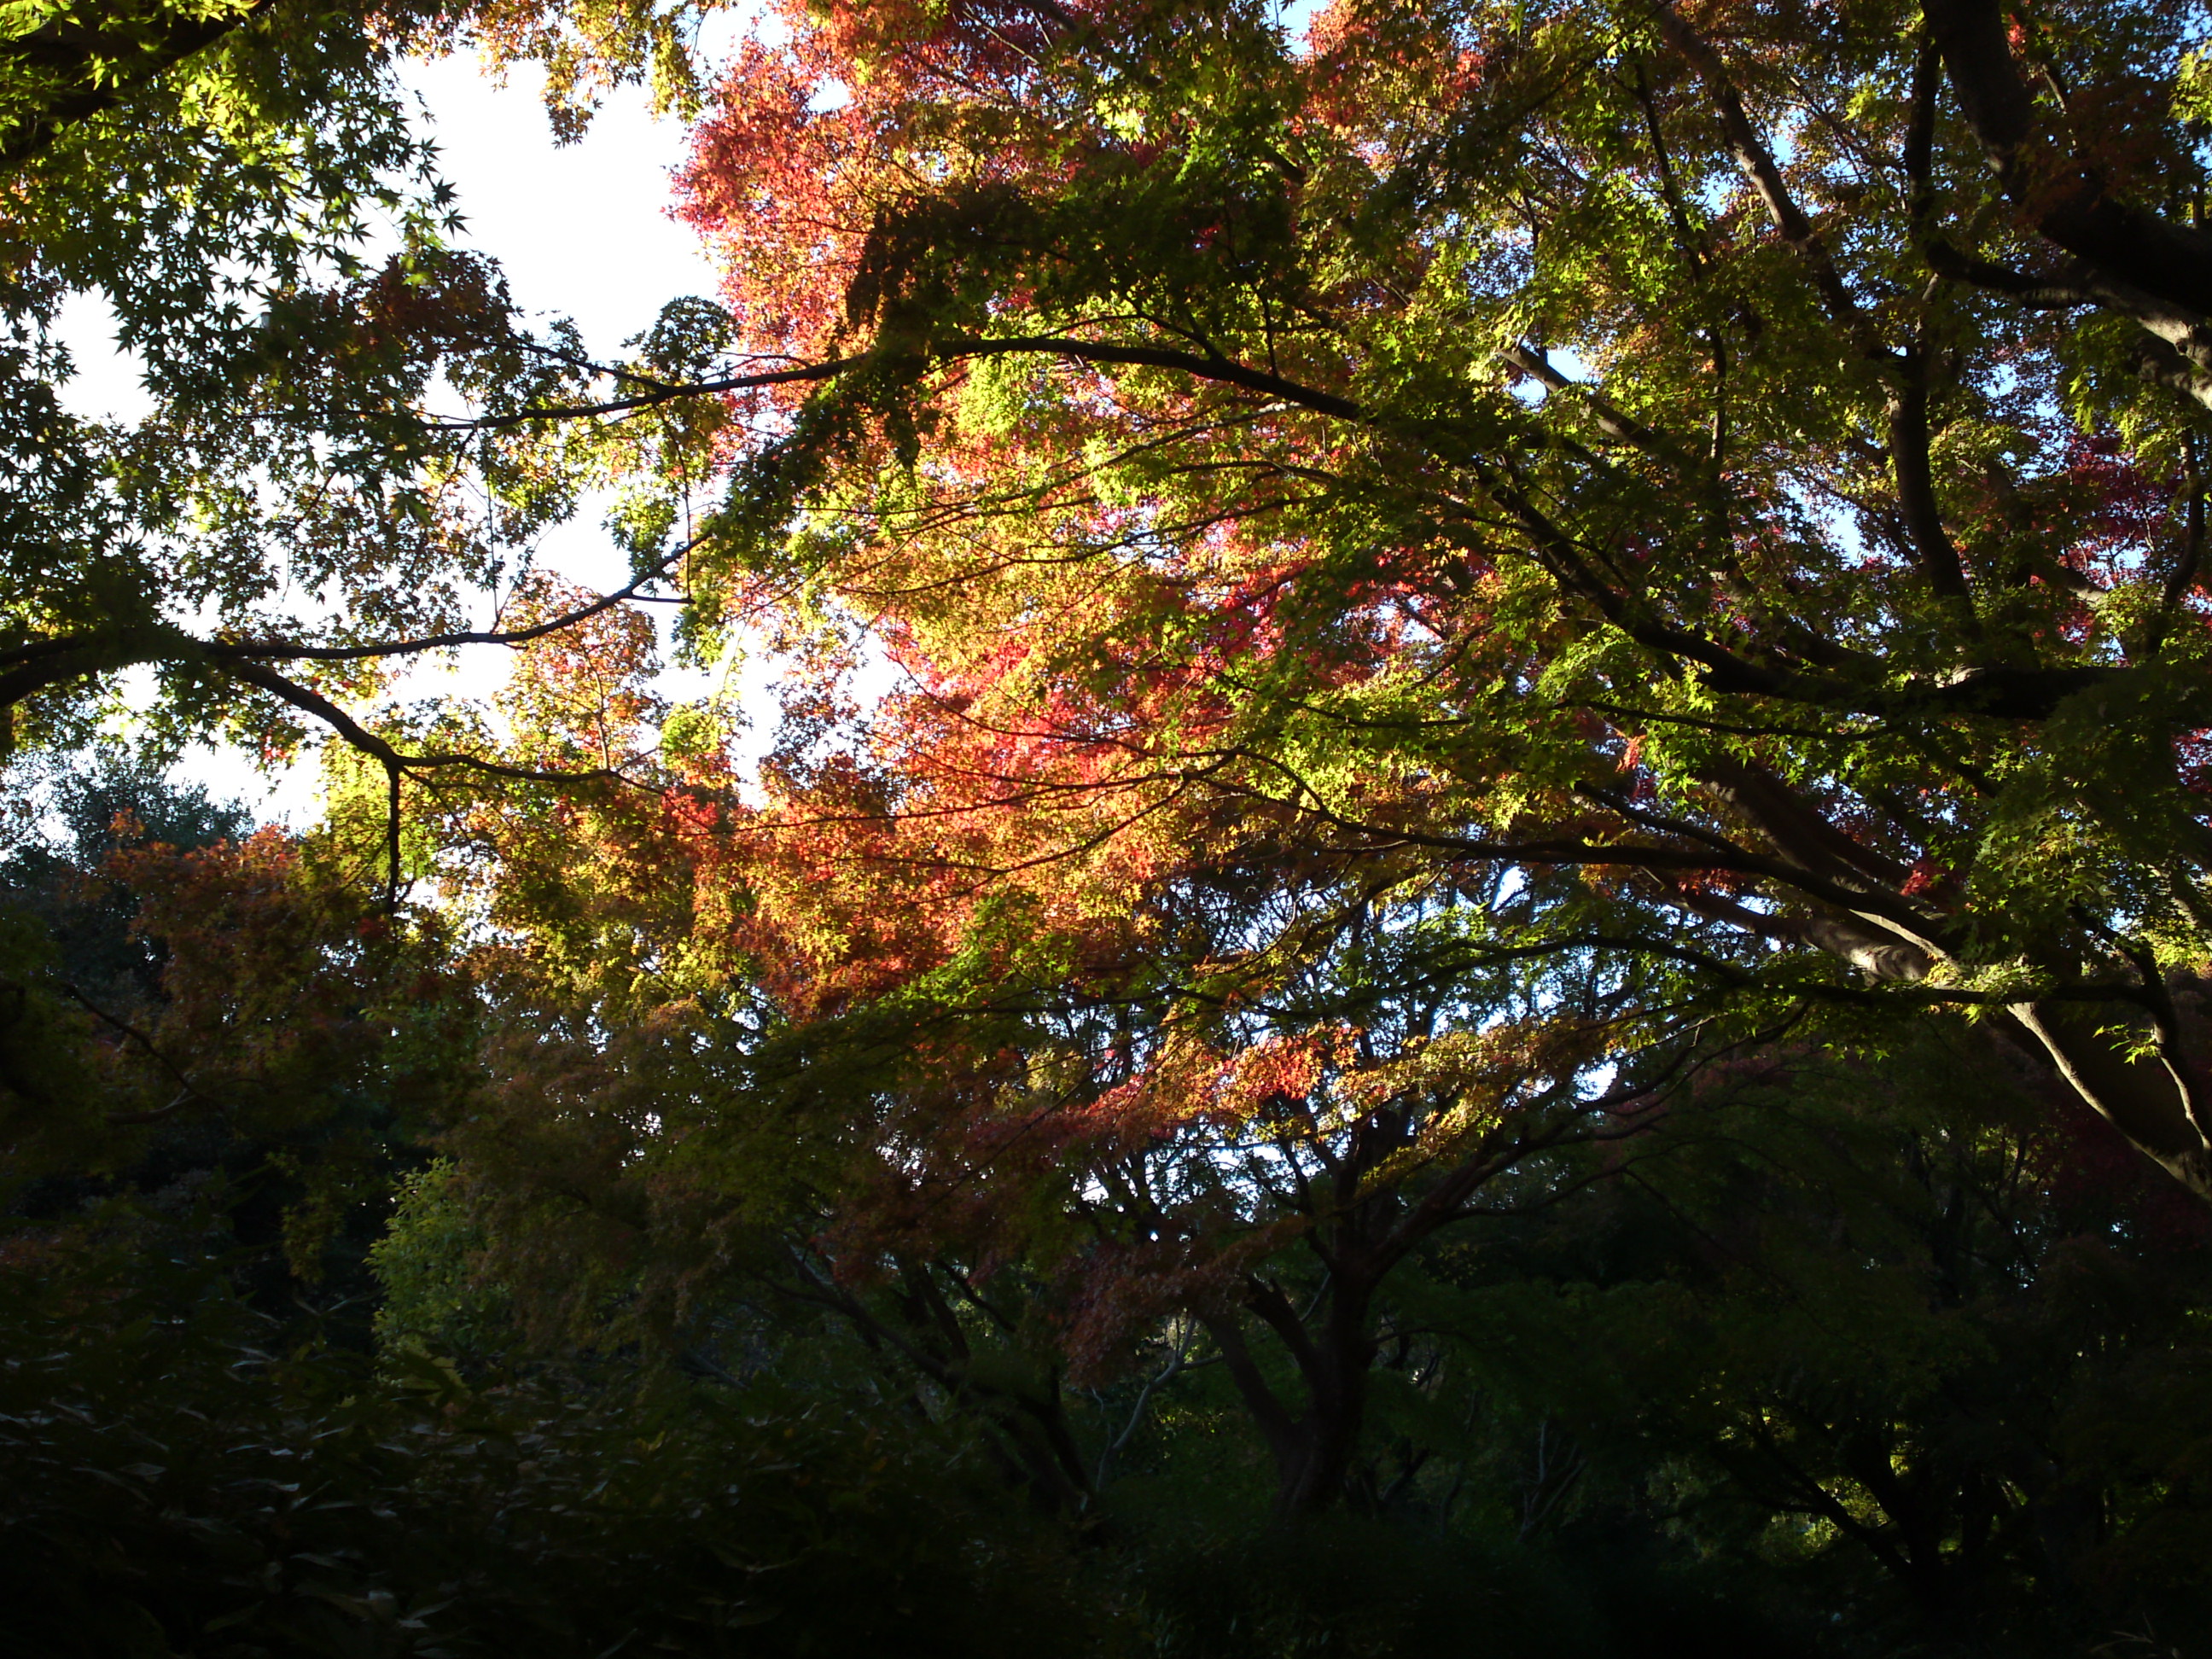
(1886, 1318)
(323, 491)
(1142, 1109)
(1743, 457)
(1610, 514)
(198, 1014)
(1498, 622)
(176, 1478)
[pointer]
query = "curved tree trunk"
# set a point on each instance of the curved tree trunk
(2152, 1098)
(1314, 1449)
(2128, 1063)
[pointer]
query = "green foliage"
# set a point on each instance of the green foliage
(241, 187)
(1500, 614)
(1379, 1589)
(176, 1481)
(1867, 1325)
(432, 1298)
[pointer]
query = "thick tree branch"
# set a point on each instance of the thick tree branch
(2069, 201)
(1193, 364)
(1197, 364)
(829, 369)
(95, 71)
(1614, 423)
(1275, 1422)
(288, 651)
(1909, 440)
(1759, 166)
(2144, 1095)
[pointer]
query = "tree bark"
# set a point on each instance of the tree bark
(2156, 1099)
(2150, 1099)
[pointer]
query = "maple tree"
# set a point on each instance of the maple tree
(1669, 520)
(314, 499)
(1393, 630)
(1746, 455)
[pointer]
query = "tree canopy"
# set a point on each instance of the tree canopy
(1739, 471)
(1488, 807)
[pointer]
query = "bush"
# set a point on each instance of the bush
(170, 1485)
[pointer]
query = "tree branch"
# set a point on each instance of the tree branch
(2069, 201)
(86, 62)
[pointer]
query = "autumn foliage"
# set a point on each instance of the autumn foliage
(1471, 771)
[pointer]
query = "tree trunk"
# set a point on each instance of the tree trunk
(1313, 1449)
(2151, 1099)
(1314, 1477)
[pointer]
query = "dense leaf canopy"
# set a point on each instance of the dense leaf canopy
(1736, 472)
(1489, 803)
